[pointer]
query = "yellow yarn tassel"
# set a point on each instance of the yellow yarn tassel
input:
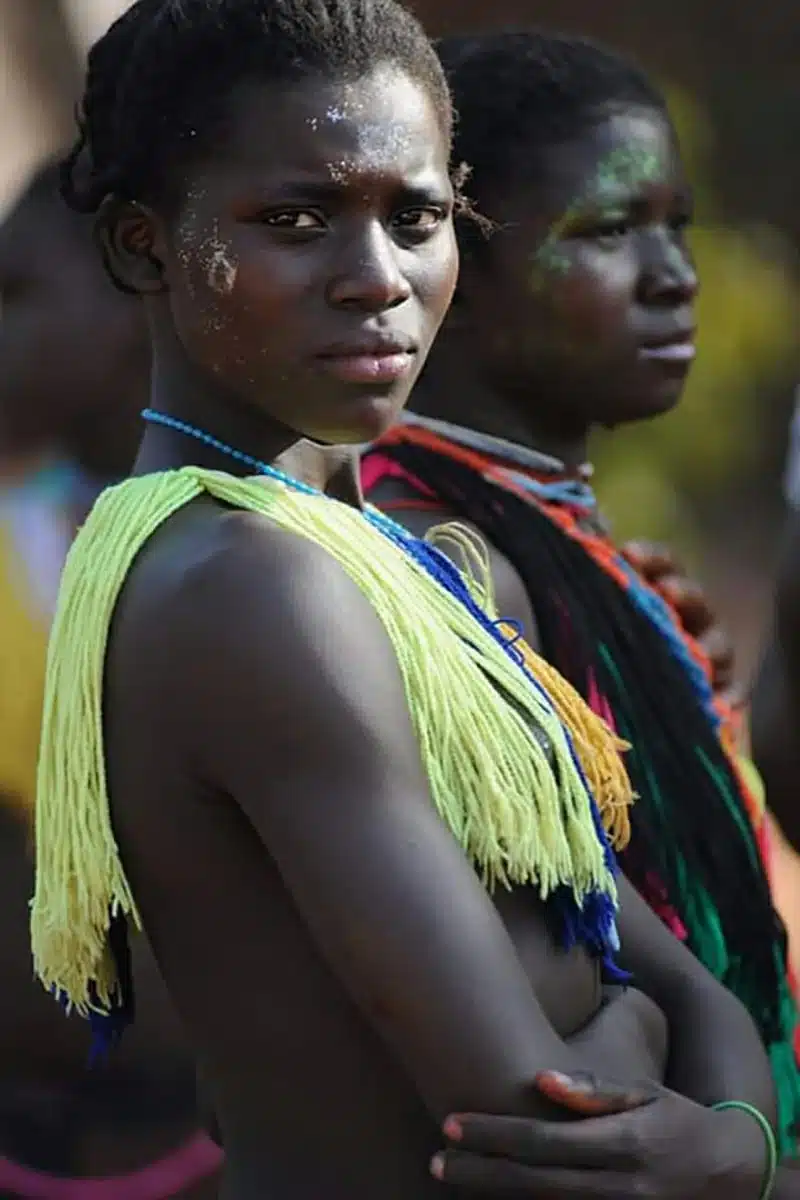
(518, 808)
(598, 748)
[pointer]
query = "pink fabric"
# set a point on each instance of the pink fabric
(598, 703)
(190, 1164)
(377, 467)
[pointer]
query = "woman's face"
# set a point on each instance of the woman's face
(74, 356)
(593, 275)
(313, 259)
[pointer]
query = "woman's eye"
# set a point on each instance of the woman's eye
(421, 220)
(300, 219)
(613, 231)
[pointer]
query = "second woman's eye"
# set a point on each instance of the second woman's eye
(419, 221)
(300, 219)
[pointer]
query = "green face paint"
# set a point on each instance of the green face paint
(625, 168)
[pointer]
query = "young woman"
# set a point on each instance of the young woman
(574, 160)
(280, 732)
(73, 370)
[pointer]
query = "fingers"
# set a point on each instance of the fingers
(719, 648)
(602, 1143)
(651, 560)
(589, 1098)
(689, 601)
(497, 1177)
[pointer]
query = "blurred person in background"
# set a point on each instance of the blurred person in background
(574, 169)
(74, 368)
(775, 706)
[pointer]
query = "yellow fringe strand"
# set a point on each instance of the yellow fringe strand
(598, 748)
(499, 765)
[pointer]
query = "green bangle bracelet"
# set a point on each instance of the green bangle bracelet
(769, 1135)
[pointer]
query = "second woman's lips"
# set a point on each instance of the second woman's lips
(677, 352)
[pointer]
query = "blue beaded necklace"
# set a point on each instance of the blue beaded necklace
(433, 561)
(595, 924)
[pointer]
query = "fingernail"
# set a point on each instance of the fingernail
(558, 1077)
(453, 1129)
(437, 1166)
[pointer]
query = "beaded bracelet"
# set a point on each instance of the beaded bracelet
(769, 1134)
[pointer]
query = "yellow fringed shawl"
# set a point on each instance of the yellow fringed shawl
(476, 715)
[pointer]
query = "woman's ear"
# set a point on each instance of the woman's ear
(128, 236)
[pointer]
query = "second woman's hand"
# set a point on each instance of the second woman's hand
(632, 1142)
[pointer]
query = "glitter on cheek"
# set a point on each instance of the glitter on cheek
(209, 265)
(221, 266)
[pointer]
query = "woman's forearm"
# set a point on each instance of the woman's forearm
(715, 1051)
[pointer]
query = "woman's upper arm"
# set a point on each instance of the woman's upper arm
(315, 742)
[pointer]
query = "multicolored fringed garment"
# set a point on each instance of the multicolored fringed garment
(698, 845)
(511, 785)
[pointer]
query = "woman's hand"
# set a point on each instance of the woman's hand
(631, 1142)
(667, 575)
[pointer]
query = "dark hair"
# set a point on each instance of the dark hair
(158, 81)
(519, 94)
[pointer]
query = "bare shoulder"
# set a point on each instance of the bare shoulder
(230, 621)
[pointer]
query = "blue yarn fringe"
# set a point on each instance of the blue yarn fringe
(594, 923)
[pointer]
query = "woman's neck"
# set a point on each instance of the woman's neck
(447, 394)
(329, 469)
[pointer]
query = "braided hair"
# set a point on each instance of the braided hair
(159, 81)
(519, 94)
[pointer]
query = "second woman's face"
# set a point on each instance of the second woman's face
(313, 259)
(593, 274)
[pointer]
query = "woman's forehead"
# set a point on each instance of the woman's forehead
(383, 118)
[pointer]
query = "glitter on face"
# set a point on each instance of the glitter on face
(221, 268)
(203, 252)
(626, 167)
(379, 145)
